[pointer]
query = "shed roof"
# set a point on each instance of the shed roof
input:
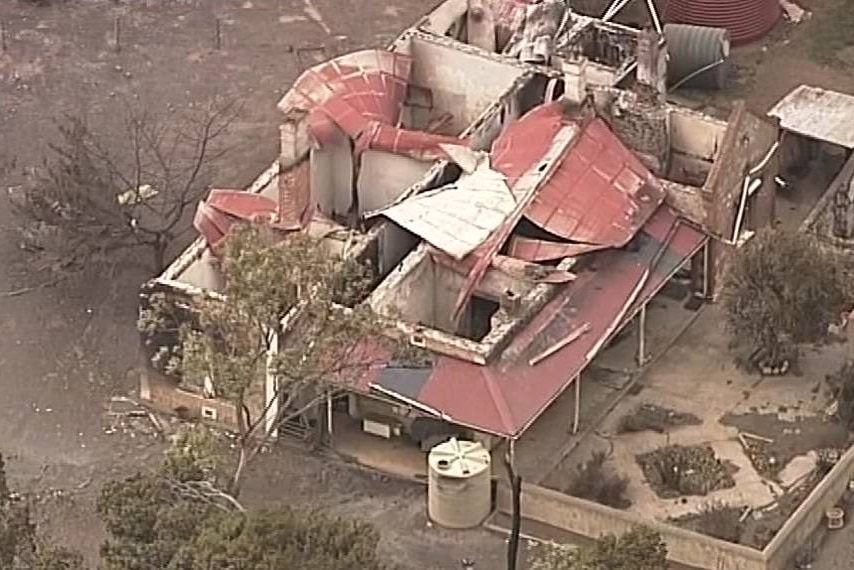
(817, 113)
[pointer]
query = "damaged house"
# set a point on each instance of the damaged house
(523, 191)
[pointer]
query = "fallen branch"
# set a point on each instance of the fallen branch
(756, 437)
(25, 290)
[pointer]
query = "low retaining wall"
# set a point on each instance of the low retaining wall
(594, 520)
(796, 532)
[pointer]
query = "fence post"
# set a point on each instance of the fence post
(218, 34)
(117, 34)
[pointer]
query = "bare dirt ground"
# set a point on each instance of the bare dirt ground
(66, 349)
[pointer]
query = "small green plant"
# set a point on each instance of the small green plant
(676, 470)
(595, 481)
(638, 549)
(720, 520)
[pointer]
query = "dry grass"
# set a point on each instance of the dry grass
(830, 34)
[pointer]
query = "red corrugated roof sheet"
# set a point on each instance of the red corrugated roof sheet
(223, 208)
(600, 195)
(362, 94)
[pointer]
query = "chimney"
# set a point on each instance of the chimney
(652, 62)
(293, 179)
(511, 302)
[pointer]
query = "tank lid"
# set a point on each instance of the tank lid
(460, 459)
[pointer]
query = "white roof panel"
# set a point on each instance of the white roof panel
(817, 113)
(457, 218)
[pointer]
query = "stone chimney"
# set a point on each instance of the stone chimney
(652, 63)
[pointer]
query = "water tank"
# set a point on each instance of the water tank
(459, 494)
(746, 20)
(698, 56)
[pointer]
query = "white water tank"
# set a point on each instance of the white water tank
(459, 494)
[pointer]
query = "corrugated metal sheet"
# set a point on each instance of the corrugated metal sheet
(223, 208)
(362, 93)
(504, 398)
(459, 217)
(746, 20)
(531, 249)
(601, 194)
(817, 113)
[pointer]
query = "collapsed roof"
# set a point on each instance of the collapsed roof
(597, 197)
(559, 211)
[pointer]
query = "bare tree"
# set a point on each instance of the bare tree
(100, 192)
(290, 308)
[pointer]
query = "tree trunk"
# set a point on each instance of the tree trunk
(237, 477)
(159, 250)
(516, 516)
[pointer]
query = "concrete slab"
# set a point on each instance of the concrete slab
(397, 455)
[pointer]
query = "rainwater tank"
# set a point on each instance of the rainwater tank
(746, 20)
(459, 494)
(698, 56)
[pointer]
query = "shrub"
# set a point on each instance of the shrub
(595, 481)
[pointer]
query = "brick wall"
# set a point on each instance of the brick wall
(163, 394)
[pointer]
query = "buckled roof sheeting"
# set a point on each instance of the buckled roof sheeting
(600, 195)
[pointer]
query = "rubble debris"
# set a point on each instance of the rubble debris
(793, 12)
(480, 25)
(126, 416)
(798, 469)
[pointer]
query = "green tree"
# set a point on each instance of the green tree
(21, 548)
(168, 520)
(284, 310)
(783, 288)
(638, 549)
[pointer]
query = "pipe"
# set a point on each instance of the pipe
(706, 265)
(764, 162)
(614, 9)
(642, 336)
(694, 74)
(577, 412)
(653, 14)
(329, 413)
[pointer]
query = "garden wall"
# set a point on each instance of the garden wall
(589, 519)
(592, 520)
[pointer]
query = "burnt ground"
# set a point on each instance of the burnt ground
(65, 349)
